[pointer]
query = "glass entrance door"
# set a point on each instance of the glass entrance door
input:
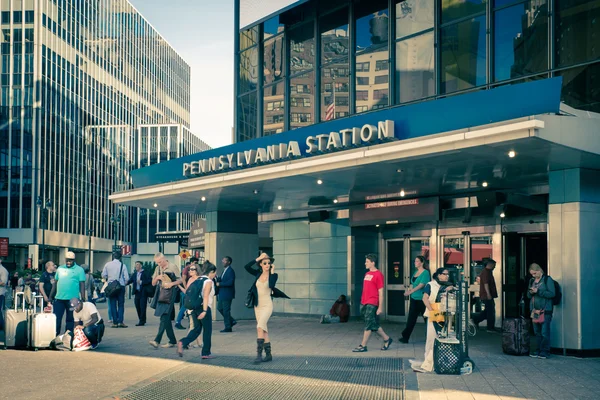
(399, 270)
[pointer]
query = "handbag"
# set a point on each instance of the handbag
(250, 299)
(164, 295)
(114, 288)
(538, 316)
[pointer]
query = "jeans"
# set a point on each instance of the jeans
(489, 313)
(94, 333)
(199, 325)
(60, 307)
(2, 312)
(224, 307)
(110, 309)
(416, 309)
(141, 303)
(117, 307)
(542, 333)
(166, 326)
(182, 309)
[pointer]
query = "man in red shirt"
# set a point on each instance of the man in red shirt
(372, 303)
(487, 294)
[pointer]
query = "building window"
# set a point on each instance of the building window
(577, 31)
(274, 60)
(382, 79)
(301, 118)
(303, 98)
(413, 17)
(334, 36)
(341, 101)
(273, 111)
(453, 10)
(415, 68)
(363, 66)
(362, 95)
(463, 63)
(302, 48)
(362, 80)
(380, 94)
(381, 65)
(520, 40)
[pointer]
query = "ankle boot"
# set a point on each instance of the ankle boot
(268, 356)
(259, 349)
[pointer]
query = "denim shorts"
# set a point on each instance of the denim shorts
(369, 313)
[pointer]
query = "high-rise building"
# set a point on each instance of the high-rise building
(78, 80)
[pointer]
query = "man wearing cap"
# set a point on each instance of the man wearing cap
(115, 270)
(69, 282)
(87, 317)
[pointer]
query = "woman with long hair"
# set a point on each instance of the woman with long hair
(420, 278)
(432, 294)
(263, 303)
(166, 277)
(541, 291)
(202, 313)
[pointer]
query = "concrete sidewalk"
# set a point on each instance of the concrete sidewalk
(310, 361)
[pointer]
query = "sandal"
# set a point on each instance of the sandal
(360, 349)
(386, 344)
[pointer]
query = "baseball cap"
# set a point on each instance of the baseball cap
(70, 255)
(73, 304)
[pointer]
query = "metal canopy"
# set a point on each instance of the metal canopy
(447, 164)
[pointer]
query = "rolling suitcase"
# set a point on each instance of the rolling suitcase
(515, 336)
(42, 327)
(16, 325)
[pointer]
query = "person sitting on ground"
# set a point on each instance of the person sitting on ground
(339, 312)
(87, 317)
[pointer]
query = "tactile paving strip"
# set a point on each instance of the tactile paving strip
(233, 377)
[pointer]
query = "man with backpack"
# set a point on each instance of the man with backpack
(544, 294)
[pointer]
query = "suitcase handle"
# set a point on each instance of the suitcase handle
(35, 303)
(17, 298)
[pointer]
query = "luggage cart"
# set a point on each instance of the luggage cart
(451, 350)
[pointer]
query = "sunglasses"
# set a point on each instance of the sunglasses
(193, 269)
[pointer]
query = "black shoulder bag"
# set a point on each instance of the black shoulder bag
(114, 288)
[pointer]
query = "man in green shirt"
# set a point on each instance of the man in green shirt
(69, 283)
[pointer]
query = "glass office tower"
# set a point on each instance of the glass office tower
(315, 61)
(78, 78)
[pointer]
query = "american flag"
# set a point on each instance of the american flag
(330, 111)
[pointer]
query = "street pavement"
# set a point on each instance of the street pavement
(310, 361)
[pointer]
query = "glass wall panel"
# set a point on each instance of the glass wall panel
(415, 68)
(248, 38)
(302, 48)
(581, 87)
(413, 16)
(456, 9)
(247, 117)
(272, 27)
(334, 90)
(335, 41)
(577, 31)
(521, 40)
(481, 250)
(454, 256)
(302, 100)
(273, 109)
(372, 53)
(248, 70)
(463, 55)
(274, 60)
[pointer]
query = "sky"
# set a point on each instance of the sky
(201, 31)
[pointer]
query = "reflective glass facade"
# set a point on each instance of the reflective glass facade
(324, 60)
(77, 78)
(160, 143)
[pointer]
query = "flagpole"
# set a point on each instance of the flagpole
(333, 88)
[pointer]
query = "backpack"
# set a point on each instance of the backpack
(193, 295)
(557, 292)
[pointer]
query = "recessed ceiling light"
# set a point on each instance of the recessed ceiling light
(484, 184)
(279, 207)
(399, 170)
(376, 226)
(402, 193)
(335, 201)
(155, 205)
(203, 198)
(319, 182)
(255, 191)
(502, 215)
(512, 154)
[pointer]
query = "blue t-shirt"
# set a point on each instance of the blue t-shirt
(424, 278)
(67, 281)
